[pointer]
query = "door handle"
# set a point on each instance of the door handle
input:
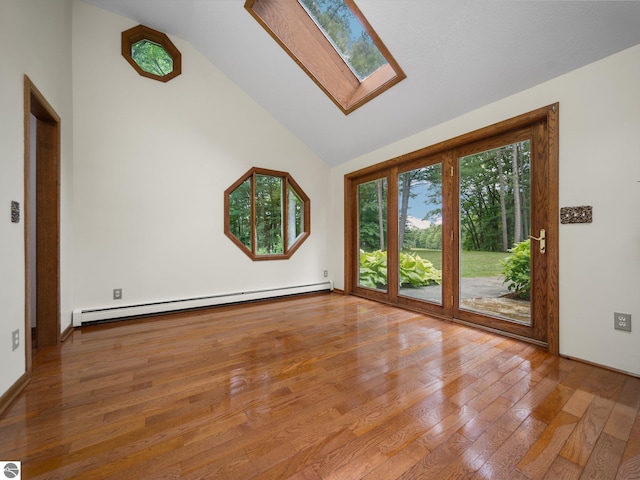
(542, 240)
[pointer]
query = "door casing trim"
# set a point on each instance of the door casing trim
(550, 116)
(47, 183)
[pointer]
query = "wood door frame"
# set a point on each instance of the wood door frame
(547, 115)
(533, 332)
(47, 184)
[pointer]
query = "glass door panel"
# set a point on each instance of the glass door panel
(494, 228)
(420, 233)
(372, 234)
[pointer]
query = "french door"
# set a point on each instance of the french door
(465, 230)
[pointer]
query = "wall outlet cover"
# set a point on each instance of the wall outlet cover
(622, 321)
(15, 340)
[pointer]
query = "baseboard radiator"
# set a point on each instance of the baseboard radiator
(97, 315)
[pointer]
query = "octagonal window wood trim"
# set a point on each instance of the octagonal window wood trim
(137, 34)
(246, 210)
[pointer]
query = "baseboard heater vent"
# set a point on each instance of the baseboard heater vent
(97, 315)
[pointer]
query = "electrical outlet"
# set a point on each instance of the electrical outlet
(622, 321)
(15, 340)
(326, 273)
(117, 294)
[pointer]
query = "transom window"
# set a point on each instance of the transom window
(266, 214)
(334, 44)
(151, 53)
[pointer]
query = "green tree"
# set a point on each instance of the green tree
(240, 213)
(365, 58)
(408, 182)
(336, 19)
(268, 211)
(372, 214)
(492, 197)
(152, 58)
(432, 237)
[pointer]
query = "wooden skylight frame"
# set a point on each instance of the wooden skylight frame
(289, 24)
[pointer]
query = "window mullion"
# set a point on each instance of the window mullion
(254, 226)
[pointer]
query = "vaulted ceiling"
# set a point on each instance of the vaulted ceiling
(458, 55)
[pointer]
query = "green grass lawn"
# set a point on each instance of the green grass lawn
(474, 264)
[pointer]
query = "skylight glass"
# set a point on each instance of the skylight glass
(347, 35)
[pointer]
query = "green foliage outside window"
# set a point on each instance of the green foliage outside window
(415, 271)
(372, 213)
(430, 237)
(517, 270)
(296, 217)
(268, 206)
(346, 33)
(494, 196)
(240, 212)
(267, 214)
(152, 57)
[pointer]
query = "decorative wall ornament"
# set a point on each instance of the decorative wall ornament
(15, 212)
(582, 214)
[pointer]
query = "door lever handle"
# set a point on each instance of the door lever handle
(541, 239)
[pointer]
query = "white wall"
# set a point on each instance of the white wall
(599, 166)
(152, 161)
(35, 39)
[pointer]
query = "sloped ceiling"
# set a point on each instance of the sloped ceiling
(458, 56)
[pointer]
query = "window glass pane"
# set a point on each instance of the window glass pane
(295, 220)
(347, 35)
(495, 266)
(240, 213)
(269, 228)
(372, 234)
(420, 233)
(152, 57)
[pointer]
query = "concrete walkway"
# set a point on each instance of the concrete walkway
(480, 294)
(478, 287)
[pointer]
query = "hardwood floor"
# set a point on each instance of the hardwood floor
(320, 387)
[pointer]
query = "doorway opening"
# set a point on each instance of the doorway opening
(483, 247)
(42, 221)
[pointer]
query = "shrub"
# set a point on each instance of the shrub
(517, 270)
(415, 271)
(373, 268)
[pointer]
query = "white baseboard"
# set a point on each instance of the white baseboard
(84, 316)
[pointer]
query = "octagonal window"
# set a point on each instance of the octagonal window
(151, 53)
(266, 214)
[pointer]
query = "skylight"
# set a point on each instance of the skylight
(347, 35)
(323, 37)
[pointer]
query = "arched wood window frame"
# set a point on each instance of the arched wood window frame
(288, 182)
(141, 32)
